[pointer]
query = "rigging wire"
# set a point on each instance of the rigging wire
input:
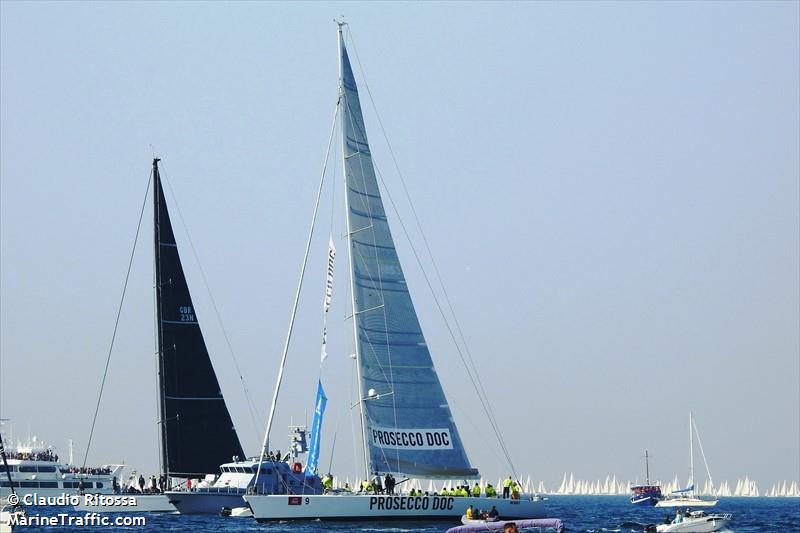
(116, 321)
(276, 392)
(253, 410)
(476, 381)
(710, 479)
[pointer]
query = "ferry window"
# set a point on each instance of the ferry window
(240, 469)
(47, 469)
(6, 484)
(88, 485)
(13, 468)
(48, 485)
(31, 484)
(99, 485)
(226, 469)
(25, 468)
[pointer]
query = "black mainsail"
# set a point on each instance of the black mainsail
(197, 433)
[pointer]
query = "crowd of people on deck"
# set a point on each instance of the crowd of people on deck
(386, 485)
(511, 489)
(155, 485)
(46, 455)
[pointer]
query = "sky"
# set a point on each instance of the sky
(611, 192)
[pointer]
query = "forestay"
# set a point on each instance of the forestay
(196, 429)
(408, 424)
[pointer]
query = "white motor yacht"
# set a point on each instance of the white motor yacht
(696, 522)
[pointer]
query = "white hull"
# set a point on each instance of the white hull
(145, 503)
(384, 507)
(241, 512)
(5, 525)
(704, 524)
(6, 513)
(686, 502)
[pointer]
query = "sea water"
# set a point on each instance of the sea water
(590, 514)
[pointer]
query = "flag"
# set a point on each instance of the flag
(316, 429)
(328, 296)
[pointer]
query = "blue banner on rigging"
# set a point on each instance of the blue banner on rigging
(316, 430)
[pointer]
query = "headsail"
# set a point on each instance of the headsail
(408, 424)
(197, 434)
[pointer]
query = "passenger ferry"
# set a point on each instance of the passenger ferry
(36, 468)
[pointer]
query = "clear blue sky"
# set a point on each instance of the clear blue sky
(611, 191)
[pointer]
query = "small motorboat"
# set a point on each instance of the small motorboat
(473, 526)
(467, 521)
(695, 522)
(236, 512)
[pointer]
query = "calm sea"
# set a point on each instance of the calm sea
(579, 513)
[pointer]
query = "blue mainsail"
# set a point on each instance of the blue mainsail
(408, 424)
(316, 429)
(690, 488)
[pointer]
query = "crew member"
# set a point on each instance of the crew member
(515, 490)
(327, 483)
(476, 491)
(507, 487)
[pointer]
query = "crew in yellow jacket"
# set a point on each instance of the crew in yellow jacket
(507, 487)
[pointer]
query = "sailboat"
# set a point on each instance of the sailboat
(646, 494)
(196, 431)
(686, 497)
(406, 424)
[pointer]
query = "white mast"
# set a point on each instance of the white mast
(691, 454)
(343, 100)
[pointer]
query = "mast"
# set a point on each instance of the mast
(276, 392)
(162, 407)
(343, 101)
(647, 467)
(691, 454)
